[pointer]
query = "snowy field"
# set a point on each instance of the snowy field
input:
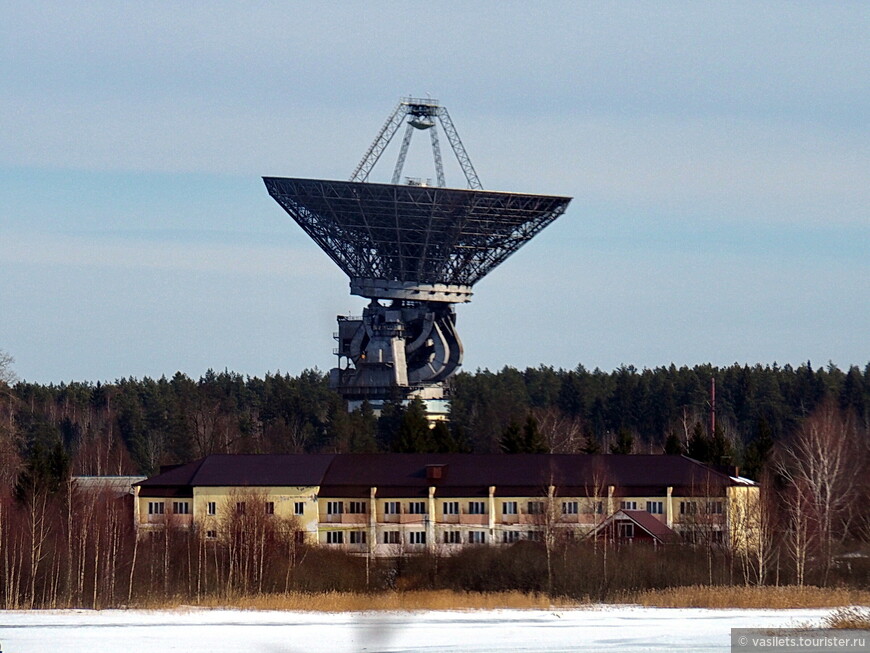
(598, 628)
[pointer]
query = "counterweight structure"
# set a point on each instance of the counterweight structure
(414, 250)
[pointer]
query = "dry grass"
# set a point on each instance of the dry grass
(740, 596)
(677, 597)
(852, 618)
(356, 602)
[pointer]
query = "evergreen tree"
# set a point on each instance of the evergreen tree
(45, 471)
(180, 419)
(720, 448)
(414, 435)
(673, 446)
(443, 440)
(512, 440)
(533, 441)
(590, 444)
(624, 443)
(758, 451)
(699, 444)
(389, 422)
(363, 430)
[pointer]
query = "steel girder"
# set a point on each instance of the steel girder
(417, 108)
(419, 234)
(459, 149)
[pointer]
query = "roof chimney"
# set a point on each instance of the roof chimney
(436, 472)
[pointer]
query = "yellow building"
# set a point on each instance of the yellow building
(390, 504)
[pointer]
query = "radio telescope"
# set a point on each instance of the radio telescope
(413, 249)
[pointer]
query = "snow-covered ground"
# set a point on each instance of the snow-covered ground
(598, 628)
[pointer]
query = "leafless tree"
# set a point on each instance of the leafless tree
(10, 461)
(597, 504)
(546, 521)
(562, 434)
(820, 466)
(753, 522)
(7, 375)
(204, 418)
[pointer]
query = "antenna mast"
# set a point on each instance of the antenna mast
(712, 406)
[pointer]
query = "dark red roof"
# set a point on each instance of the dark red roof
(651, 525)
(246, 470)
(462, 474)
(656, 528)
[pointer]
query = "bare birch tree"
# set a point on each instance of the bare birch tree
(562, 434)
(7, 376)
(820, 466)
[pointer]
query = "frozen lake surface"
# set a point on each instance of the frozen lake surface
(596, 628)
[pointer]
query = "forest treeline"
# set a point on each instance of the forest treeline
(132, 426)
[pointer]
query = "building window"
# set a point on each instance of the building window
(299, 537)
(334, 537)
(357, 537)
(598, 508)
(536, 507)
(477, 537)
(509, 508)
(628, 505)
(569, 507)
(391, 537)
(451, 507)
(357, 507)
(452, 537)
(180, 508)
(334, 507)
(299, 508)
(508, 537)
(417, 537)
(626, 530)
(155, 507)
(211, 508)
(391, 508)
(270, 507)
(688, 508)
(476, 508)
(240, 508)
(714, 507)
(416, 507)
(655, 507)
(535, 536)
(211, 535)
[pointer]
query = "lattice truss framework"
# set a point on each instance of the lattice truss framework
(421, 114)
(418, 234)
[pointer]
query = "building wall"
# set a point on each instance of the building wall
(225, 500)
(744, 517)
(387, 526)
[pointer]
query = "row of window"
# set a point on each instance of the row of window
(686, 507)
(337, 537)
(652, 507)
(707, 507)
(453, 507)
(450, 507)
(183, 507)
(353, 507)
(298, 536)
(419, 537)
(178, 507)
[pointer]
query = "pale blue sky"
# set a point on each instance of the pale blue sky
(718, 157)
